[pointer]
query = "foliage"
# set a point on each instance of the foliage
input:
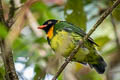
(74, 13)
(32, 51)
(3, 31)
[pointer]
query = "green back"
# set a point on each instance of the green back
(63, 25)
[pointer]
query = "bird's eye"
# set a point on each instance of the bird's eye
(49, 22)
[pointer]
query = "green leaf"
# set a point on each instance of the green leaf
(116, 13)
(93, 75)
(87, 1)
(74, 13)
(110, 51)
(42, 12)
(40, 40)
(22, 1)
(60, 77)
(3, 31)
(40, 72)
(101, 41)
(21, 48)
(2, 73)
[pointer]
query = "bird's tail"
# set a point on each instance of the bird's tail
(98, 64)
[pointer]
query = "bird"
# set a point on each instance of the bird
(63, 37)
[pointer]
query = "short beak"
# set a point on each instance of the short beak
(42, 26)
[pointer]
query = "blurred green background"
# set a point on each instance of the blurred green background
(35, 60)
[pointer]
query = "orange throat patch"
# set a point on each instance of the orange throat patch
(50, 33)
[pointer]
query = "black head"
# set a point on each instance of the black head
(48, 24)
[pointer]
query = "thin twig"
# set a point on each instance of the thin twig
(105, 14)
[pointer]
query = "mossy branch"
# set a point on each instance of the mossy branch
(101, 19)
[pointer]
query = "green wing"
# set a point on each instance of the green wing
(72, 28)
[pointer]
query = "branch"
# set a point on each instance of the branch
(11, 12)
(14, 31)
(1, 13)
(105, 14)
(33, 24)
(10, 73)
(18, 25)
